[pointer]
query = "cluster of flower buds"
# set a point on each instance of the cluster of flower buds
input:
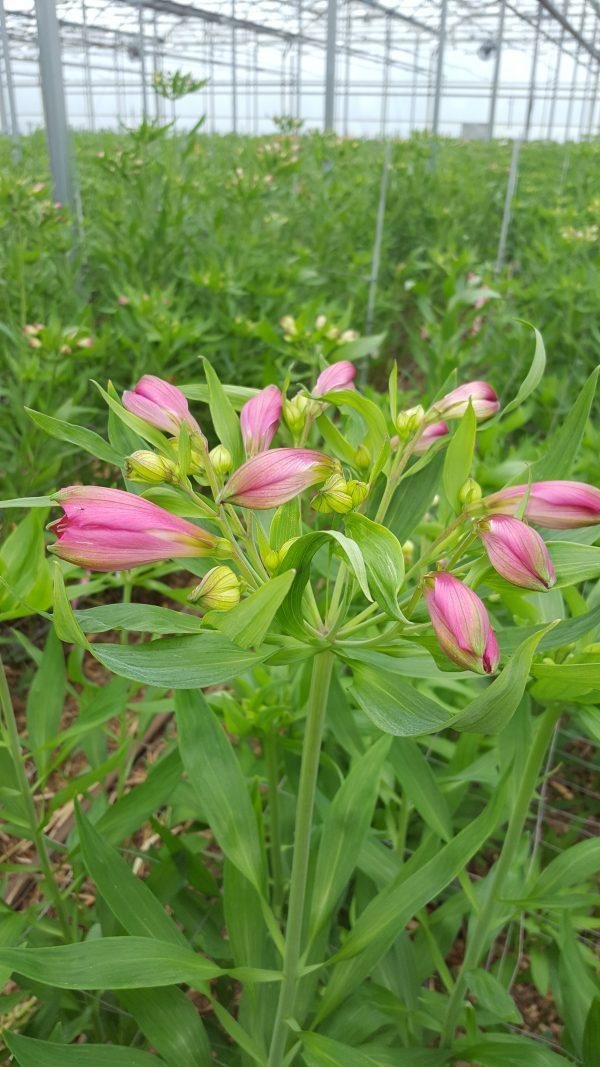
(339, 495)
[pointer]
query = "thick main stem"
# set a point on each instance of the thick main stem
(483, 922)
(311, 750)
(14, 746)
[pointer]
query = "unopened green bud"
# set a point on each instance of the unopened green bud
(222, 549)
(270, 558)
(470, 492)
(283, 551)
(408, 552)
(219, 590)
(221, 459)
(295, 412)
(362, 458)
(196, 462)
(148, 467)
(333, 496)
(409, 422)
(357, 491)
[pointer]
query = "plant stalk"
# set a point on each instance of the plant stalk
(14, 746)
(311, 749)
(483, 922)
(272, 763)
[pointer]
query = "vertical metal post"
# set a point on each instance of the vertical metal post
(282, 86)
(593, 102)
(117, 72)
(329, 122)
(348, 43)
(299, 63)
(556, 84)
(4, 128)
(87, 70)
(234, 101)
(510, 192)
(156, 69)
(211, 82)
(587, 99)
(439, 73)
(10, 86)
(574, 78)
(496, 74)
(142, 49)
(385, 95)
(255, 94)
(415, 85)
(532, 79)
(53, 96)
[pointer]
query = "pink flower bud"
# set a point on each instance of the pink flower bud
(272, 478)
(517, 552)
(482, 396)
(259, 419)
(430, 434)
(161, 404)
(108, 529)
(558, 505)
(461, 623)
(337, 376)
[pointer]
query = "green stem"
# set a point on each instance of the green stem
(398, 466)
(14, 746)
(311, 749)
(272, 762)
(483, 923)
(124, 767)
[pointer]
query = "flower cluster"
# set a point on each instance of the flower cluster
(106, 529)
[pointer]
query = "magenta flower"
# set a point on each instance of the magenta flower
(108, 529)
(274, 477)
(337, 376)
(482, 396)
(461, 624)
(161, 404)
(430, 434)
(259, 419)
(517, 552)
(558, 505)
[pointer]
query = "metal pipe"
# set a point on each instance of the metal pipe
(376, 256)
(89, 96)
(348, 43)
(574, 80)
(496, 75)
(299, 63)
(234, 100)
(142, 51)
(53, 96)
(386, 76)
(532, 81)
(557, 75)
(329, 122)
(10, 87)
(415, 83)
(439, 73)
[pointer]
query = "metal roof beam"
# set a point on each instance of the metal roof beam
(568, 26)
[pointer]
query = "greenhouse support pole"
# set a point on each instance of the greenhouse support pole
(234, 88)
(415, 85)
(330, 66)
(255, 87)
(557, 75)
(142, 49)
(348, 45)
(87, 70)
(4, 128)
(117, 74)
(385, 95)
(574, 78)
(532, 79)
(299, 63)
(53, 96)
(496, 75)
(511, 185)
(211, 82)
(593, 103)
(439, 72)
(10, 85)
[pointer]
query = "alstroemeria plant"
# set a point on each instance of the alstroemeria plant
(348, 576)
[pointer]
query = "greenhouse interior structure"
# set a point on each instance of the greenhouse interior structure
(299, 533)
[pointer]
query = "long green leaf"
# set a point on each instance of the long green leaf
(131, 901)
(248, 623)
(382, 553)
(179, 662)
(225, 420)
(111, 963)
(30, 1052)
(171, 1023)
(79, 436)
(420, 785)
(459, 458)
(217, 779)
(45, 700)
(563, 445)
(344, 829)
